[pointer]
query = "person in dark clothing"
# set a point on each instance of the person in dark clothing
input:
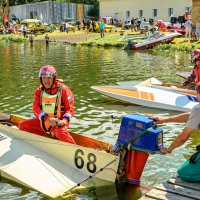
(84, 24)
(23, 28)
(78, 24)
(93, 25)
(88, 24)
(31, 38)
(61, 27)
(47, 40)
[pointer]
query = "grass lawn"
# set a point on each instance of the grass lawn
(112, 39)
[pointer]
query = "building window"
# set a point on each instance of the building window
(33, 15)
(188, 9)
(155, 12)
(170, 12)
(117, 15)
(140, 13)
(128, 14)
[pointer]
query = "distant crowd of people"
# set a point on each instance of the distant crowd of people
(12, 27)
(85, 24)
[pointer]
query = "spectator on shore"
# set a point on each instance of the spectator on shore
(2, 30)
(24, 28)
(31, 38)
(186, 17)
(93, 25)
(78, 24)
(64, 27)
(102, 27)
(47, 40)
(133, 24)
(61, 27)
(84, 24)
(88, 24)
(138, 23)
(16, 27)
(198, 29)
(188, 29)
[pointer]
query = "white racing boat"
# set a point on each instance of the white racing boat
(50, 166)
(184, 75)
(152, 93)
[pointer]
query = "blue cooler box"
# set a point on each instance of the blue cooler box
(134, 124)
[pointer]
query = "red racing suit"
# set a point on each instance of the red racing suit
(196, 71)
(67, 111)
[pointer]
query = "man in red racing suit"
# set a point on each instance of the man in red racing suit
(197, 72)
(194, 78)
(53, 107)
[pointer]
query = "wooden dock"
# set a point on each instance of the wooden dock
(174, 189)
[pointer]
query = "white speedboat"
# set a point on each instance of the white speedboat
(50, 166)
(152, 93)
(184, 75)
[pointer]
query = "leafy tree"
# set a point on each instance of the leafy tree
(95, 10)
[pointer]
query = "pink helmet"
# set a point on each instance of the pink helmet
(195, 55)
(48, 71)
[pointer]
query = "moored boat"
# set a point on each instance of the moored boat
(157, 38)
(152, 93)
(53, 167)
(125, 38)
(184, 75)
(50, 166)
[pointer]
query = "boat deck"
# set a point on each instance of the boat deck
(174, 189)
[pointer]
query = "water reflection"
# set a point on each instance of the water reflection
(81, 68)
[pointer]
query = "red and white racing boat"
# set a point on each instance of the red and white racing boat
(156, 38)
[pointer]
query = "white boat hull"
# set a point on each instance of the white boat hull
(50, 166)
(151, 96)
(184, 75)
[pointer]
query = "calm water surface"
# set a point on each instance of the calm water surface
(81, 68)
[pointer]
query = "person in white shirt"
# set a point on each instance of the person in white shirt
(188, 29)
(198, 29)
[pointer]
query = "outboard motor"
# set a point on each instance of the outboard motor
(138, 137)
(130, 42)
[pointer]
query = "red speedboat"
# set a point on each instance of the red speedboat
(176, 29)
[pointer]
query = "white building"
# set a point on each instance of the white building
(155, 9)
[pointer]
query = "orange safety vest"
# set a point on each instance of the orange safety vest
(51, 105)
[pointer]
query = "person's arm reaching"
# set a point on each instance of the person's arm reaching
(179, 140)
(181, 118)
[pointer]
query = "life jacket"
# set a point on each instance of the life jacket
(51, 105)
(197, 74)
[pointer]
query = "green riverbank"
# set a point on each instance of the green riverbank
(113, 39)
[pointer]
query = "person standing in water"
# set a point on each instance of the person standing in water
(47, 40)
